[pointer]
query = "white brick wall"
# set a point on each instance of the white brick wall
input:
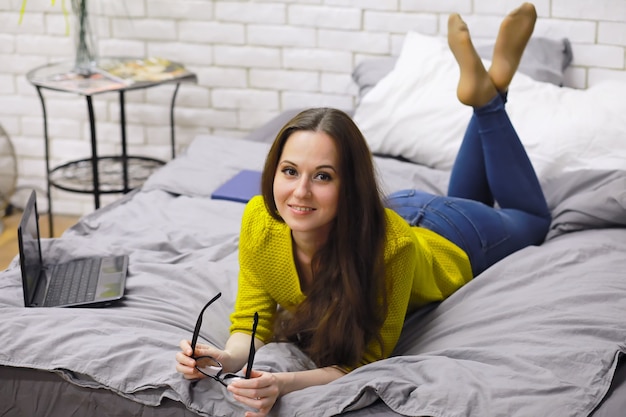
(253, 59)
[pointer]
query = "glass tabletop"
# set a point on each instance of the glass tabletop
(111, 74)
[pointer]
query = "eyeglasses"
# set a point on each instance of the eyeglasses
(211, 367)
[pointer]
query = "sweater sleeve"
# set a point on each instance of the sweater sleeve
(252, 295)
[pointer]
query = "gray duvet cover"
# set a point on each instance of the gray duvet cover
(538, 334)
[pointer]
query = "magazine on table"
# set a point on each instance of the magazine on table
(152, 69)
(96, 82)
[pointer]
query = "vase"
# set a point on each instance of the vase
(84, 36)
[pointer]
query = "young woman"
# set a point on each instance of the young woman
(331, 269)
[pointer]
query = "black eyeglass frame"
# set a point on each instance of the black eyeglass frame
(216, 373)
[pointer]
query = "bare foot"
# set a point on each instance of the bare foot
(475, 87)
(515, 31)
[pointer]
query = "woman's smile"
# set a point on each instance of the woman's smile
(301, 209)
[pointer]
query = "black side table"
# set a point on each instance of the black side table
(102, 174)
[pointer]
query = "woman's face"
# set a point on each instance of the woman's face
(306, 184)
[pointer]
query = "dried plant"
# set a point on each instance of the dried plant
(52, 2)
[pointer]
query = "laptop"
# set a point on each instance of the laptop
(241, 187)
(88, 282)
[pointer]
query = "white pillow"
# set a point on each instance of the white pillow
(413, 113)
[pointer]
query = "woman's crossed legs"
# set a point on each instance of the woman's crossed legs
(492, 164)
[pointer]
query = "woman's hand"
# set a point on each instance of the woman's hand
(263, 388)
(186, 364)
(259, 392)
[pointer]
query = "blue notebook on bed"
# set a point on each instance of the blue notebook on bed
(242, 187)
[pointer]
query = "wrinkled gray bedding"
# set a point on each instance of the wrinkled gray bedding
(539, 333)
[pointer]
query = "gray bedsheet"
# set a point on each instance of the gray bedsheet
(537, 334)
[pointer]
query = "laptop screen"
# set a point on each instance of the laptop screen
(30, 250)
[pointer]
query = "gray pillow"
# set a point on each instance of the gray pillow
(544, 60)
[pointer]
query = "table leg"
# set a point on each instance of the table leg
(47, 155)
(173, 137)
(126, 188)
(94, 153)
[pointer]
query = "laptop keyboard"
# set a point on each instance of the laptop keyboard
(73, 282)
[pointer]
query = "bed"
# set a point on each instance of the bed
(540, 333)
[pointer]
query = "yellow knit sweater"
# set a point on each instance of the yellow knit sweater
(420, 267)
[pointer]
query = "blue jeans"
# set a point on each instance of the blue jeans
(491, 166)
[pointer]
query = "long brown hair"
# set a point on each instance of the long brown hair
(347, 302)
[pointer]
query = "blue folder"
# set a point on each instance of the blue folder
(242, 187)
